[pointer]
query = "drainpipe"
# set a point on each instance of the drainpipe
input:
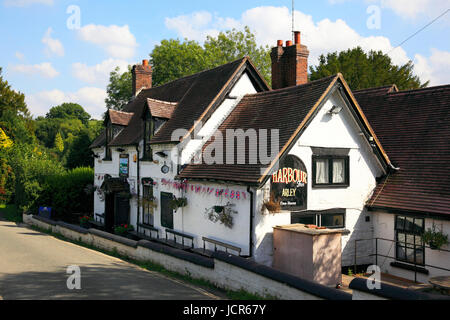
(138, 188)
(250, 251)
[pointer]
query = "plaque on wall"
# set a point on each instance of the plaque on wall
(289, 185)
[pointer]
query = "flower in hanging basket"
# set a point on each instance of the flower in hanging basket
(435, 239)
(176, 203)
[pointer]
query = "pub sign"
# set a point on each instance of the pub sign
(289, 184)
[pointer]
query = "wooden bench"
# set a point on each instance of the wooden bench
(151, 229)
(98, 223)
(220, 244)
(173, 242)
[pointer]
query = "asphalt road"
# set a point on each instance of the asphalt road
(34, 266)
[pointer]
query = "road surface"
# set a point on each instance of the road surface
(34, 265)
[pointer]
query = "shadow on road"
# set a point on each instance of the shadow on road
(98, 282)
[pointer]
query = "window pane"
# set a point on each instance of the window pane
(419, 241)
(338, 171)
(401, 255)
(410, 255)
(401, 238)
(322, 171)
(305, 220)
(409, 224)
(410, 239)
(400, 223)
(419, 256)
(332, 221)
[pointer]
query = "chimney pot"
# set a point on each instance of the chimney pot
(145, 62)
(280, 43)
(297, 37)
(289, 65)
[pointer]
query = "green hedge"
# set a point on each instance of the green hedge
(66, 194)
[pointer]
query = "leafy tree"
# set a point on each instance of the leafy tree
(59, 143)
(5, 141)
(364, 70)
(119, 89)
(233, 45)
(173, 59)
(11, 100)
(69, 111)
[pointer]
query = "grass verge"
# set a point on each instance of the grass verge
(205, 284)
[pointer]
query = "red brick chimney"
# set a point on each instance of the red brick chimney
(289, 64)
(142, 77)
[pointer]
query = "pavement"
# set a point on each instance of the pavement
(34, 266)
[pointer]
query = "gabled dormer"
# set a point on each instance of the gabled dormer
(155, 115)
(115, 122)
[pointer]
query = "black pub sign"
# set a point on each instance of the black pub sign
(289, 184)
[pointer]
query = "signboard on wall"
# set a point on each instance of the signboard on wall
(289, 185)
(124, 165)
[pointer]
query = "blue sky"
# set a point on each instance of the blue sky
(52, 62)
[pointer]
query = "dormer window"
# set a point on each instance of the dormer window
(148, 133)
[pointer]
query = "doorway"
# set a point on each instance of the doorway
(166, 211)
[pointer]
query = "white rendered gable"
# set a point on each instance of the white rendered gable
(242, 87)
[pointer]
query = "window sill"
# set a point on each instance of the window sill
(107, 159)
(330, 186)
(409, 267)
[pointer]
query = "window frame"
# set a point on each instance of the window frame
(318, 217)
(405, 245)
(109, 136)
(147, 154)
(330, 183)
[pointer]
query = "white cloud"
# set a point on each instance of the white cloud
(44, 69)
(435, 68)
(19, 55)
(92, 99)
(198, 25)
(272, 23)
(98, 74)
(26, 3)
(117, 41)
(52, 46)
(411, 9)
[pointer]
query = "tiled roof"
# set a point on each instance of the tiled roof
(414, 129)
(283, 109)
(161, 109)
(194, 95)
(120, 117)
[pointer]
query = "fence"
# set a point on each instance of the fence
(415, 266)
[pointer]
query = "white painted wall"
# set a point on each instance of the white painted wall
(384, 223)
(337, 131)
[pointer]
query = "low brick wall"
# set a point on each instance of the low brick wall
(224, 270)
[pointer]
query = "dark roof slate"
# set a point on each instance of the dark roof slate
(193, 95)
(282, 109)
(414, 129)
